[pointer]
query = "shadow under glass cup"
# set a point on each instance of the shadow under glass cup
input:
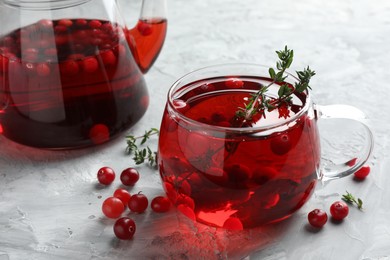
(224, 172)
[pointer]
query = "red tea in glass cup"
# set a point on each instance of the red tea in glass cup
(238, 176)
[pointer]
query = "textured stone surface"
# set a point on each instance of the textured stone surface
(50, 203)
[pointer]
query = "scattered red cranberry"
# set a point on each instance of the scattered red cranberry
(60, 28)
(185, 200)
(113, 207)
(97, 33)
(217, 175)
(263, 174)
(144, 28)
(95, 24)
(43, 44)
(351, 162)
(317, 218)
(31, 57)
(90, 64)
(30, 51)
(81, 22)
(233, 223)
(170, 191)
(51, 52)
(108, 58)
(123, 195)
(124, 228)
(184, 186)
(187, 211)
(107, 27)
(106, 175)
(206, 87)
(280, 144)
(61, 39)
(99, 133)
(238, 172)
(160, 204)
(69, 68)
(43, 70)
(363, 172)
(181, 105)
(129, 176)
(218, 117)
(138, 203)
(96, 40)
(45, 24)
(234, 83)
(339, 210)
(65, 22)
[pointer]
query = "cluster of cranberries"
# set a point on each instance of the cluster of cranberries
(339, 209)
(78, 44)
(114, 206)
(318, 217)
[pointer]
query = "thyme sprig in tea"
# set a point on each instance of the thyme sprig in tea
(260, 102)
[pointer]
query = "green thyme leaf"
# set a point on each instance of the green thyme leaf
(272, 73)
(259, 102)
(349, 198)
(140, 155)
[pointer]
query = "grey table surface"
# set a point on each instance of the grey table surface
(50, 203)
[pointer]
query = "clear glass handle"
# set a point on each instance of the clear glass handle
(153, 9)
(147, 38)
(351, 113)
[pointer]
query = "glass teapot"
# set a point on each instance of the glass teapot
(71, 71)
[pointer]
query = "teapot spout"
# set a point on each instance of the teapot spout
(147, 37)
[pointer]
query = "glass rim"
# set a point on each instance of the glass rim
(248, 129)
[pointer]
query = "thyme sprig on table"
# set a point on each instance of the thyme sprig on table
(351, 199)
(142, 155)
(260, 102)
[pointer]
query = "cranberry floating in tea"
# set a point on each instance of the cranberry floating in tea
(71, 71)
(239, 149)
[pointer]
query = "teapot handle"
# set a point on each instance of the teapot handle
(153, 9)
(146, 39)
(348, 113)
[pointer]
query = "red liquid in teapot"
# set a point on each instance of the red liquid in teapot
(72, 83)
(236, 181)
(147, 39)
